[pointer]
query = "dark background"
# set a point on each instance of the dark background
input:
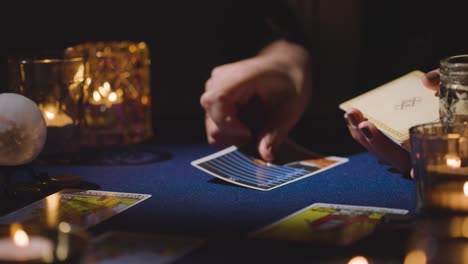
(188, 38)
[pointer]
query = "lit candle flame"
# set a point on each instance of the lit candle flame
(49, 115)
(358, 260)
(112, 97)
(20, 238)
(96, 96)
(454, 162)
(105, 89)
(465, 188)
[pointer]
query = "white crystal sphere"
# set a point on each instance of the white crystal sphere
(23, 129)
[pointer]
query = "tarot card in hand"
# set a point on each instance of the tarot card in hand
(335, 224)
(83, 208)
(125, 247)
(396, 106)
(241, 167)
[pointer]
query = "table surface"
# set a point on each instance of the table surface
(187, 201)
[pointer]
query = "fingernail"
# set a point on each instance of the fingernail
(433, 76)
(352, 119)
(366, 132)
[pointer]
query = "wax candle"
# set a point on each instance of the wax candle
(56, 118)
(24, 248)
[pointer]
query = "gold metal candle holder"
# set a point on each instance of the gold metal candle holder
(116, 96)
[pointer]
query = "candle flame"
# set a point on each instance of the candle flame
(465, 188)
(49, 115)
(112, 97)
(358, 260)
(96, 96)
(20, 238)
(453, 161)
(105, 89)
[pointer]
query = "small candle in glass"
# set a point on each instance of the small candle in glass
(21, 247)
(440, 162)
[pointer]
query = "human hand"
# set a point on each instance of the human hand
(369, 136)
(432, 80)
(278, 77)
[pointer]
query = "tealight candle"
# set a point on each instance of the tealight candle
(24, 248)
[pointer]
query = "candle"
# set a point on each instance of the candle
(55, 117)
(24, 248)
(448, 186)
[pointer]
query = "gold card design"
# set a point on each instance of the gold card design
(396, 106)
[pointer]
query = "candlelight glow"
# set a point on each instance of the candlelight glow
(112, 97)
(63, 243)
(358, 260)
(80, 74)
(49, 115)
(454, 161)
(144, 100)
(464, 228)
(49, 111)
(52, 205)
(20, 238)
(104, 89)
(96, 96)
(465, 188)
(416, 257)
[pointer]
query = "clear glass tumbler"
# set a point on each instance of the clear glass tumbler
(56, 85)
(453, 93)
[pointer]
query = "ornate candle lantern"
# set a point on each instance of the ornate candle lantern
(116, 96)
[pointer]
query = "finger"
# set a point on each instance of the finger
(432, 79)
(221, 139)
(353, 118)
(384, 148)
(275, 131)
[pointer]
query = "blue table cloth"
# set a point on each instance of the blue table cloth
(188, 201)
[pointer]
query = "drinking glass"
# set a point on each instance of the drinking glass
(453, 91)
(56, 85)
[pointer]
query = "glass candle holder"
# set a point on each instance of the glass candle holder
(63, 243)
(440, 162)
(453, 91)
(117, 96)
(55, 84)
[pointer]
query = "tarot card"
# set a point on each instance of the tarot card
(327, 223)
(239, 166)
(125, 247)
(397, 106)
(83, 208)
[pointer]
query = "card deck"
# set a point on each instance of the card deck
(396, 106)
(83, 208)
(327, 223)
(240, 167)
